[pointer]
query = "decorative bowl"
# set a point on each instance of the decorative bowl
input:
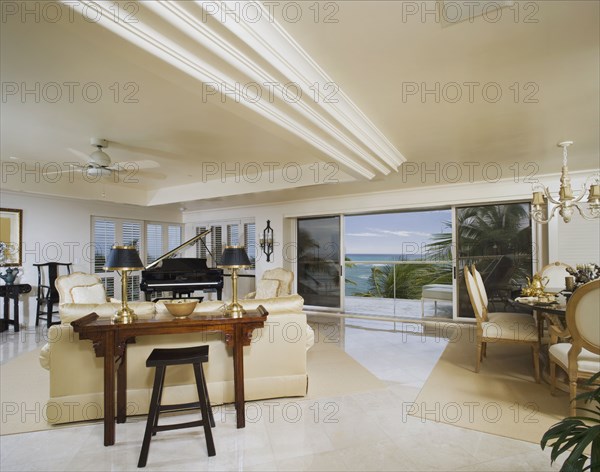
(181, 308)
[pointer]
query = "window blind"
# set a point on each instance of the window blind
(154, 242)
(250, 242)
(104, 238)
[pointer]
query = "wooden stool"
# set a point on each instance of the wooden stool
(161, 358)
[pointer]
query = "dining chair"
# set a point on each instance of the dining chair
(580, 358)
(491, 315)
(556, 273)
(500, 326)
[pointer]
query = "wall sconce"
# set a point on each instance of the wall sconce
(266, 242)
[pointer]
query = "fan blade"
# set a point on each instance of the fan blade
(81, 155)
(142, 164)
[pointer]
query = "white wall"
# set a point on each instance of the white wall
(58, 230)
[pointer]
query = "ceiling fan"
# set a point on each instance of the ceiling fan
(99, 163)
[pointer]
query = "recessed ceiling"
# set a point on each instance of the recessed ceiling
(493, 92)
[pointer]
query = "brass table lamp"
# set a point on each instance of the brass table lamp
(234, 258)
(124, 259)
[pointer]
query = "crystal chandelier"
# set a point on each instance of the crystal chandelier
(566, 202)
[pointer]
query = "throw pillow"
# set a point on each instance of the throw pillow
(89, 294)
(267, 288)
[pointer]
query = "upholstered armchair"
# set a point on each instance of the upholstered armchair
(80, 294)
(274, 283)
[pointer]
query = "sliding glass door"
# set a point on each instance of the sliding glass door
(318, 263)
(498, 240)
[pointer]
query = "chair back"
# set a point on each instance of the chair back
(583, 317)
(48, 272)
(556, 273)
(481, 290)
(285, 278)
(476, 300)
(65, 283)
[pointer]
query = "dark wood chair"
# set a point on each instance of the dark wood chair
(47, 295)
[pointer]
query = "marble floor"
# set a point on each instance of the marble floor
(360, 431)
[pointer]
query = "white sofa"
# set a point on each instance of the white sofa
(274, 363)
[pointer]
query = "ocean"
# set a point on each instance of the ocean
(357, 276)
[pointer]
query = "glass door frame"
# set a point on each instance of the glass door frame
(535, 250)
(342, 255)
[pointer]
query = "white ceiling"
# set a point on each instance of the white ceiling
(379, 54)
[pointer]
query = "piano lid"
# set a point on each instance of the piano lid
(182, 264)
(172, 252)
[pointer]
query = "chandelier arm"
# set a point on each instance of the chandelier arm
(549, 196)
(581, 195)
(553, 212)
(537, 216)
(583, 215)
(539, 219)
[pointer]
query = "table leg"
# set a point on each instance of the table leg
(16, 309)
(122, 388)
(109, 389)
(238, 376)
(6, 306)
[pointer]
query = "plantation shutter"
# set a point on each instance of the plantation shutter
(132, 235)
(154, 242)
(200, 248)
(174, 237)
(104, 238)
(217, 244)
(233, 236)
(104, 234)
(249, 242)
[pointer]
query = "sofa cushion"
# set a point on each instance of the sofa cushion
(89, 294)
(266, 288)
(65, 283)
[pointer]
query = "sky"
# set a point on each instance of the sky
(393, 233)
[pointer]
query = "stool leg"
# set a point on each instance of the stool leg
(210, 411)
(160, 392)
(159, 377)
(210, 445)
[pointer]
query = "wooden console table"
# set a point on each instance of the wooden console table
(111, 339)
(13, 292)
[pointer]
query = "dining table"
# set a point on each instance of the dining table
(554, 313)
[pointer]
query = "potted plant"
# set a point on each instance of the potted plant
(575, 433)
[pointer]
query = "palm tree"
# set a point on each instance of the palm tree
(405, 280)
(497, 238)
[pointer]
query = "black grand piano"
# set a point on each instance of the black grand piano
(181, 276)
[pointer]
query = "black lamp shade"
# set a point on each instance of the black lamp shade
(234, 256)
(123, 258)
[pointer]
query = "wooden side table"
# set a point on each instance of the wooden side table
(8, 292)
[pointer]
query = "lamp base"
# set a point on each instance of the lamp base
(125, 316)
(235, 310)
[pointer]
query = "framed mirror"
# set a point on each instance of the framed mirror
(11, 233)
